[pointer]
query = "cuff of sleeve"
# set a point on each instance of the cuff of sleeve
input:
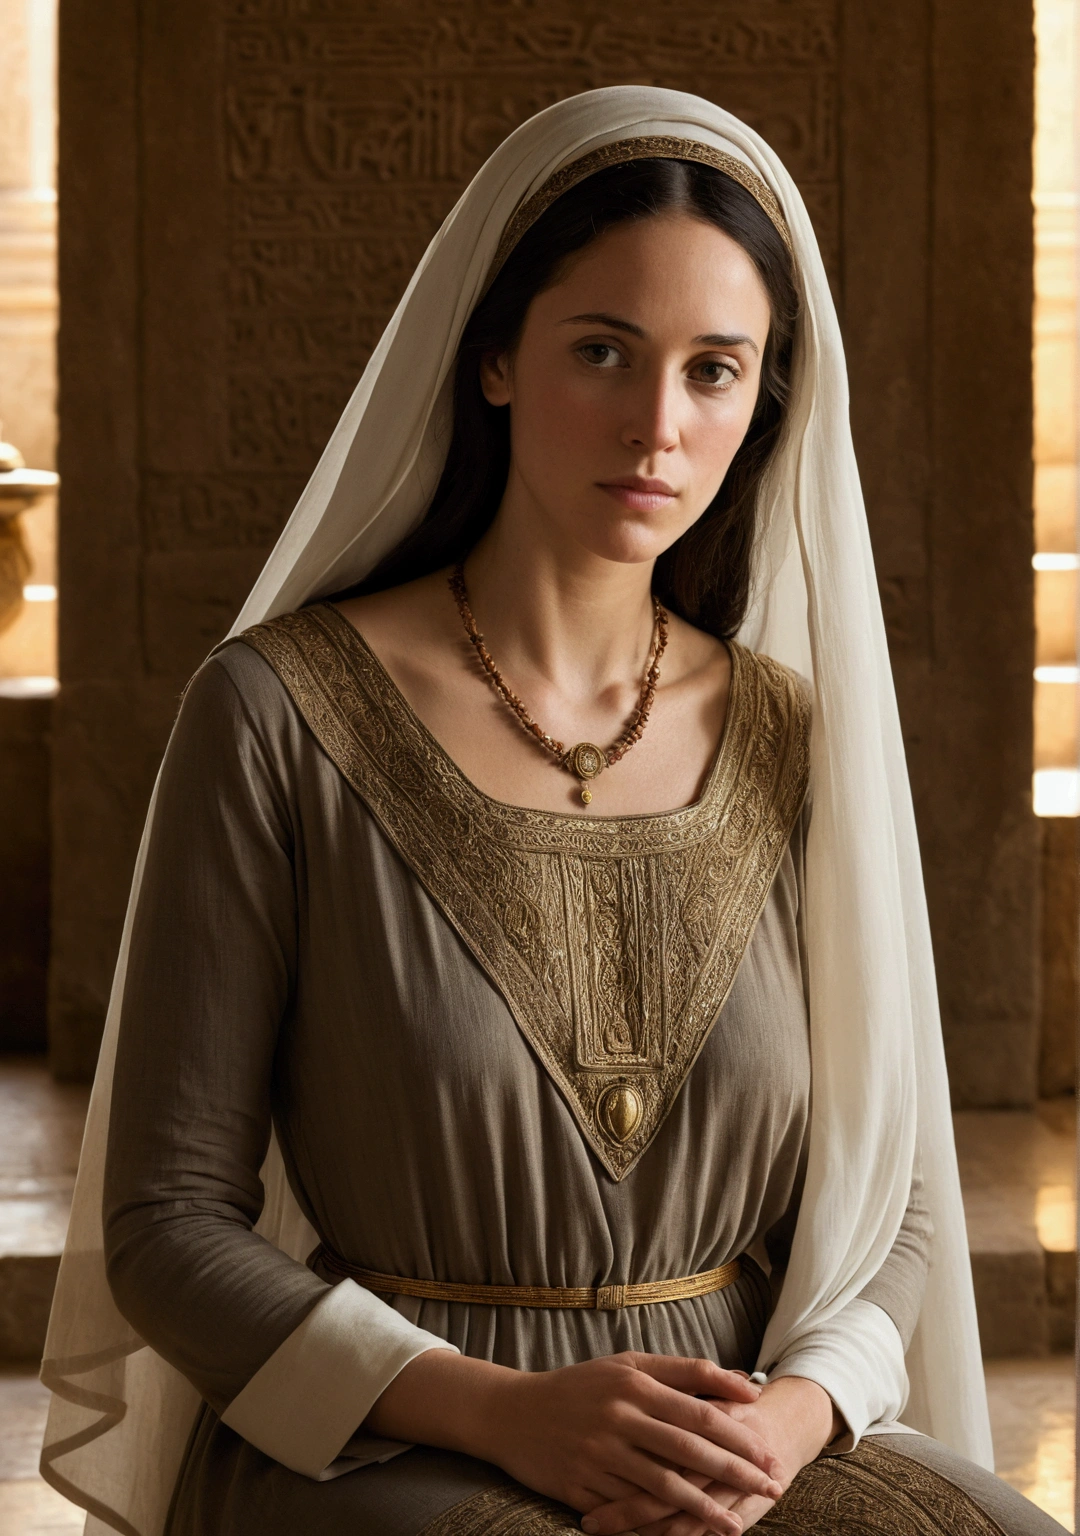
(858, 1357)
(309, 1399)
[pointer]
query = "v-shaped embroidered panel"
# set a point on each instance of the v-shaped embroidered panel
(614, 941)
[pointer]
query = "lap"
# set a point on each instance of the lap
(903, 1485)
(890, 1485)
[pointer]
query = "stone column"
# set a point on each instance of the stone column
(28, 415)
(28, 299)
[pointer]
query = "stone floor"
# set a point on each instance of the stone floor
(41, 1126)
(1031, 1405)
(28, 1507)
(1032, 1410)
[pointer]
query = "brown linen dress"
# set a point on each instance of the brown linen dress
(430, 994)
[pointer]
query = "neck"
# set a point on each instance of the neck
(578, 622)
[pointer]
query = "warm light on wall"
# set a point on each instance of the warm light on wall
(1054, 362)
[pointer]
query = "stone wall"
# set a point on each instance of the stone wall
(28, 302)
(27, 418)
(1060, 972)
(24, 885)
(245, 187)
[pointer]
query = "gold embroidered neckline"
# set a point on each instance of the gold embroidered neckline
(394, 700)
(614, 940)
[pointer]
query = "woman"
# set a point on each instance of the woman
(535, 1013)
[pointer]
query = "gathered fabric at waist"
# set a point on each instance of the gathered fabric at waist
(725, 1325)
(600, 1298)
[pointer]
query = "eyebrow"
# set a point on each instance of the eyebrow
(615, 324)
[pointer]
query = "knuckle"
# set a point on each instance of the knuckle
(617, 1416)
(685, 1445)
(669, 1484)
(591, 1448)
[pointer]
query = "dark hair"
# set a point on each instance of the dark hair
(705, 574)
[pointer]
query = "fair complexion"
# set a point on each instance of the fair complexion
(630, 388)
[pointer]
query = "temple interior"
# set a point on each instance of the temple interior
(206, 217)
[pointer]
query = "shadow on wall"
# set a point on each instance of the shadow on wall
(24, 889)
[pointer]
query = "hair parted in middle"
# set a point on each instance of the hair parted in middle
(705, 575)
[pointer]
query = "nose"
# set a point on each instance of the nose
(652, 425)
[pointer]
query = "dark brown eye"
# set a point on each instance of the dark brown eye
(600, 354)
(720, 374)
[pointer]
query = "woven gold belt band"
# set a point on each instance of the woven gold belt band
(603, 1298)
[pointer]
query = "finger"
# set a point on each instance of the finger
(674, 1494)
(646, 1509)
(604, 1488)
(715, 1455)
(677, 1525)
(665, 1405)
(711, 1422)
(687, 1525)
(649, 1516)
(750, 1511)
(698, 1376)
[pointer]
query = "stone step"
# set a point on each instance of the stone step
(1018, 1173)
(1017, 1170)
(41, 1126)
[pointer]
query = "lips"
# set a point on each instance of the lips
(639, 493)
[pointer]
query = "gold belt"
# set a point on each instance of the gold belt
(604, 1298)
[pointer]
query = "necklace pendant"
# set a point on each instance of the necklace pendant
(585, 761)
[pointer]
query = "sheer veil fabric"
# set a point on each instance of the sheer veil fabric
(120, 1414)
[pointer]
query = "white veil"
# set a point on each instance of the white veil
(120, 1415)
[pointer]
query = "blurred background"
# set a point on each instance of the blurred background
(223, 203)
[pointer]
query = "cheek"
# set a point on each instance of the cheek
(713, 437)
(560, 419)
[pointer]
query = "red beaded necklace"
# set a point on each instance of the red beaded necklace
(585, 760)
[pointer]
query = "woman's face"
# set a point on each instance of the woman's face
(632, 385)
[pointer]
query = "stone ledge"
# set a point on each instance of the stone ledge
(1017, 1174)
(27, 1282)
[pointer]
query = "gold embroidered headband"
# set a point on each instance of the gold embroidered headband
(655, 148)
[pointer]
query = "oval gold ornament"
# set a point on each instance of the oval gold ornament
(620, 1111)
(586, 761)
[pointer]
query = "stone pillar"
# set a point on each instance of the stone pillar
(1060, 989)
(937, 244)
(28, 297)
(28, 416)
(223, 288)
(24, 886)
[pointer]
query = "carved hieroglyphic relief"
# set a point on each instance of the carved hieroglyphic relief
(352, 126)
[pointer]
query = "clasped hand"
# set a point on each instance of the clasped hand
(651, 1443)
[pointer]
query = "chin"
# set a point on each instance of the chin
(633, 544)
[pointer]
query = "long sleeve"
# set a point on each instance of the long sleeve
(858, 1355)
(208, 990)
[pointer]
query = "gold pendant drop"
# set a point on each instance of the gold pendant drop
(620, 1111)
(585, 761)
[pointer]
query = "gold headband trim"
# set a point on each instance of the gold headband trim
(656, 148)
